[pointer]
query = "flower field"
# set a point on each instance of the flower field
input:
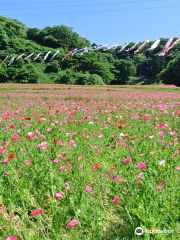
(89, 163)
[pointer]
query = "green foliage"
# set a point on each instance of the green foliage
(52, 67)
(91, 68)
(123, 70)
(171, 74)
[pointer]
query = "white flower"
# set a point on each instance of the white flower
(67, 134)
(162, 163)
(74, 145)
(90, 122)
(29, 133)
(121, 134)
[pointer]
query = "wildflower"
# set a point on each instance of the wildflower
(1, 210)
(63, 168)
(11, 238)
(81, 166)
(107, 145)
(178, 168)
(59, 195)
(128, 160)
(37, 212)
(27, 162)
(11, 155)
(162, 163)
(141, 165)
(10, 216)
(95, 167)
(99, 151)
(71, 142)
(159, 187)
(116, 200)
(111, 169)
(73, 224)
(142, 155)
(80, 158)
(5, 161)
(176, 153)
(88, 188)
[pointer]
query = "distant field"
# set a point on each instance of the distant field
(89, 162)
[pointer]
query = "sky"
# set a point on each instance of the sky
(101, 21)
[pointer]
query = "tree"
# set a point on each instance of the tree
(52, 67)
(171, 74)
(124, 69)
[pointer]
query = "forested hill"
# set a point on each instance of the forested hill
(98, 67)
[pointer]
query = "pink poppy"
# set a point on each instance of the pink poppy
(73, 224)
(111, 169)
(80, 158)
(159, 187)
(71, 142)
(11, 238)
(121, 180)
(132, 150)
(99, 151)
(88, 188)
(81, 165)
(59, 195)
(10, 216)
(176, 153)
(95, 167)
(63, 168)
(37, 212)
(1, 210)
(27, 162)
(5, 161)
(178, 168)
(116, 200)
(107, 145)
(142, 155)
(141, 165)
(128, 160)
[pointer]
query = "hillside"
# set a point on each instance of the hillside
(92, 68)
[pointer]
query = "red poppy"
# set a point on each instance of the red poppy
(28, 119)
(68, 160)
(11, 155)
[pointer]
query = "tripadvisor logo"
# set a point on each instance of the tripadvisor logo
(139, 231)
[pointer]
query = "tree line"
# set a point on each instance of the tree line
(91, 68)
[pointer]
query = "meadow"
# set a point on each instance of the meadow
(89, 162)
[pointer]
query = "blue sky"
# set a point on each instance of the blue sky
(101, 22)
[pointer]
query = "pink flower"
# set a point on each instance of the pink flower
(116, 200)
(88, 188)
(10, 216)
(141, 175)
(113, 136)
(27, 162)
(80, 158)
(107, 145)
(81, 165)
(48, 129)
(59, 195)
(142, 155)
(132, 150)
(71, 142)
(5, 161)
(73, 224)
(37, 212)
(95, 167)
(141, 165)
(63, 168)
(99, 151)
(176, 153)
(178, 168)
(1, 210)
(7, 172)
(11, 238)
(95, 147)
(111, 169)
(16, 159)
(128, 160)
(121, 180)
(159, 187)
